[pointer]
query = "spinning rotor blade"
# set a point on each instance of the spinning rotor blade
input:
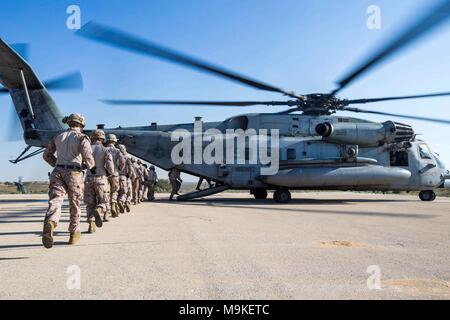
(70, 81)
(199, 103)
(362, 101)
(418, 29)
(443, 121)
(129, 42)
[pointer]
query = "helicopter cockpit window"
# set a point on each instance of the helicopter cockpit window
(399, 158)
(424, 151)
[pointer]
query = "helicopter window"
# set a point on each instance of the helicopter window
(399, 158)
(291, 154)
(424, 151)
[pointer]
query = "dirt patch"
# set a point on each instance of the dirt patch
(341, 244)
(420, 287)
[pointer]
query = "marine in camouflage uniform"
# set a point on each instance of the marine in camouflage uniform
(96, 186)
(125, 182)
(151, 183)
(144, 187)
(114, 180)
(175, 181)
(73, 149)
(137, 182)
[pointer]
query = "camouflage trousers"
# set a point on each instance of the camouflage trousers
(136, 189)
(96, 195)
(123, 188)
(62, 182)
(114, 185)
(145, 192)
(129, 190)
(176, 186)
(150, 192)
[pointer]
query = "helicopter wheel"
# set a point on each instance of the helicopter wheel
(260, 194)
(427, 195)
(282, 196)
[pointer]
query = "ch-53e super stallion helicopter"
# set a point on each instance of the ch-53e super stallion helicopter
(317, 150)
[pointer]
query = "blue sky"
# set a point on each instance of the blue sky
(303, 46)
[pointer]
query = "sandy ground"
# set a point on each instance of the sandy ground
(231, 246)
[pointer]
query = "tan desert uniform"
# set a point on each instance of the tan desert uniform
(114, 184)
(96, 186)
(137, 181)
(73, 148)
(131, 177)
(144, 186)
(151, 183)
(175, 181)
(124, 199)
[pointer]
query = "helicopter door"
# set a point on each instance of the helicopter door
(242, 176)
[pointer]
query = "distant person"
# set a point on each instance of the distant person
(151, 183)
(20, 186)
(73, 149)
(175, 182)
(125, 186)
(114, 180)
(145, 184)
(96, 186)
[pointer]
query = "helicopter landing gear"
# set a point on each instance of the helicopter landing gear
(427, 195)
(260, 194)
(282, 196)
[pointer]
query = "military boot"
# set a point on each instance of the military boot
(47, 236)
(98, 216)
(121, 207)
(114, 212)
(106, 216)
(74, 237)
(92, 227)
(127, 206)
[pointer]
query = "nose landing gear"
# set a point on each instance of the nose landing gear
(427, 195)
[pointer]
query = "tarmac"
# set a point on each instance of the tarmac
(326, 245)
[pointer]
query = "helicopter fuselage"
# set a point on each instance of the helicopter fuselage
(355, 155)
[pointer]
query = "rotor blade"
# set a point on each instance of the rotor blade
(443, 121)
(362, 101)
(199, 103)
(71, 81)
(129, 42)
(414, 32)
(14, 128)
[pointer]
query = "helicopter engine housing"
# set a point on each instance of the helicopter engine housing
(365, 134)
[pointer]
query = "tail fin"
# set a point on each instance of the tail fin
(36, 110)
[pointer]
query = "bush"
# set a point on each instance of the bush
(163, 186)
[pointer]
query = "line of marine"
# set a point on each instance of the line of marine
(99, 171)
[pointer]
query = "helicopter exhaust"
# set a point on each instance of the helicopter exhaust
(365, 134)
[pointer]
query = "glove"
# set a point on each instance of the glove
(93, 170)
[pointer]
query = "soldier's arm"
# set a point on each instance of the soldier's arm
(122, 161)
(109, 163)
(49, 153)
(86, 152)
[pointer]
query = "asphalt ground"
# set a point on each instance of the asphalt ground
(327, 245)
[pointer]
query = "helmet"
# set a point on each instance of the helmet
(75, 118)
(112, 138)
(98, 135)
(122, 148)
(152, 167)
